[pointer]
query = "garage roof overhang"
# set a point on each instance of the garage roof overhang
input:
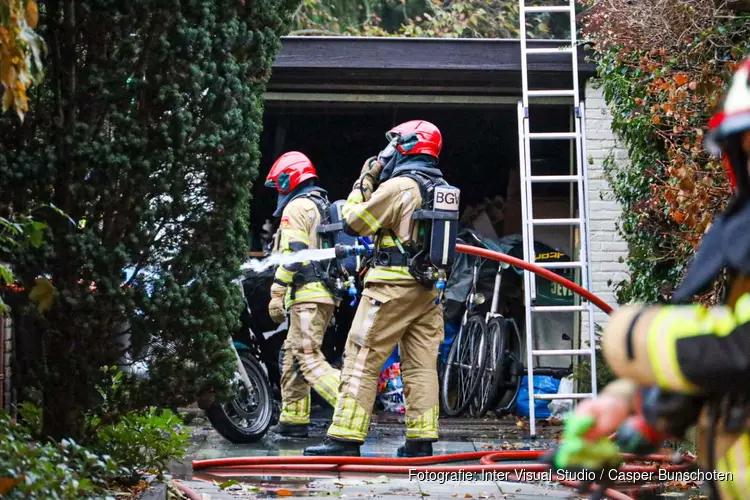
(416, 70)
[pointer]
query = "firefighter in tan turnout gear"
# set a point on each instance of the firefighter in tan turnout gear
(681, 365)
(299, 290)
(400, 301)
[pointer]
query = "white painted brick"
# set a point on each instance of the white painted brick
(606, 245)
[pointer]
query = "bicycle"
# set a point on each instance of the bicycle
(467, 355)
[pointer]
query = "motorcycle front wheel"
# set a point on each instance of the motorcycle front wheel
(247, 417)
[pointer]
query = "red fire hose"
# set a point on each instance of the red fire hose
(488, 459)
(407, 466)
(513, 261)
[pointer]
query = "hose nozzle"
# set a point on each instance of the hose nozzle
(344, 251)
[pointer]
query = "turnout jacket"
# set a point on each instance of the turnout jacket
(700, 352)
(298, 231)
(378, 213)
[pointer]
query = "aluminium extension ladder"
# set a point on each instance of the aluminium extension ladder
(581, 216)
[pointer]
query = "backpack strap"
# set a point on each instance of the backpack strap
(322, 204)
(427, 184)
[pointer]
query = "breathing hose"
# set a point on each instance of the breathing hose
(489, 461)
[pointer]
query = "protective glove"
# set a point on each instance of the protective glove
(575, 452)
(276, 305)
(369, 175)
(372, 166)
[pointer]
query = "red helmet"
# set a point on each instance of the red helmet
(289, 171)
(417, 137)
(731, 122)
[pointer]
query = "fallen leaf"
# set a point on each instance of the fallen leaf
(232, 484)
(284, 493)
(681, 79)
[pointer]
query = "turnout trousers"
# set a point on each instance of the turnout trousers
(388, 315)
(304, 365)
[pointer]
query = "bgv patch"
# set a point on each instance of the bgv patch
(284, 221)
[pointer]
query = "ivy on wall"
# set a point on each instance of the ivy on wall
(663, 74)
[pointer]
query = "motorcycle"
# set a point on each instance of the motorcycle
(258, 344)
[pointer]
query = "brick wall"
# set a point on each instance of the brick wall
(607, 246)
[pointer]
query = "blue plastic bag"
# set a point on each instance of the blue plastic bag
(451, 330)
(392, 359)
(542, 385)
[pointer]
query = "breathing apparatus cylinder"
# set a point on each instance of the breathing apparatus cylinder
(444, 225)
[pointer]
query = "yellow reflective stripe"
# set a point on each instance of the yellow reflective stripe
(306, 297)
(350, 421)
(673, 323)
(725, 487)
(355, 197)
(717, 320)
(742, 309)
(741, 463)
(386, 241)
(314, 287)
(729, 463)
(327, 386)
(395, 273)
(366, 217)
(284, 275)
(666, 328)
(296, 412)
(294, 234)
(424, 426)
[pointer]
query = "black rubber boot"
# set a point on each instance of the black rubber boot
(331, 447)
(290, 430)
(413, 449)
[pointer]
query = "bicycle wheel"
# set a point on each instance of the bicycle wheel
(464, 366)
(513, 371)
(493, 373)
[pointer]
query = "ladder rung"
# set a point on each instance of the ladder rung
(554, 178)
(564, 396)
(562, 352)
(559, 265)
(556, 222)
(551, 93)
(553, 50)
(551, 136)
(542, 9)
(559, 308)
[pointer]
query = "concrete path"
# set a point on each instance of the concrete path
(386, 434)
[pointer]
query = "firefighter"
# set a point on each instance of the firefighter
(696, 358)
(299, 289)
(395, 307)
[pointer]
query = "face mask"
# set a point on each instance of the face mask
(388, 153)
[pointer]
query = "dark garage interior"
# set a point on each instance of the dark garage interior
(480, 151)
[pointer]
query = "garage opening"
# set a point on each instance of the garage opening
(480, 156)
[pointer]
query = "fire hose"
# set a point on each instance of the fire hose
(489, 461)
